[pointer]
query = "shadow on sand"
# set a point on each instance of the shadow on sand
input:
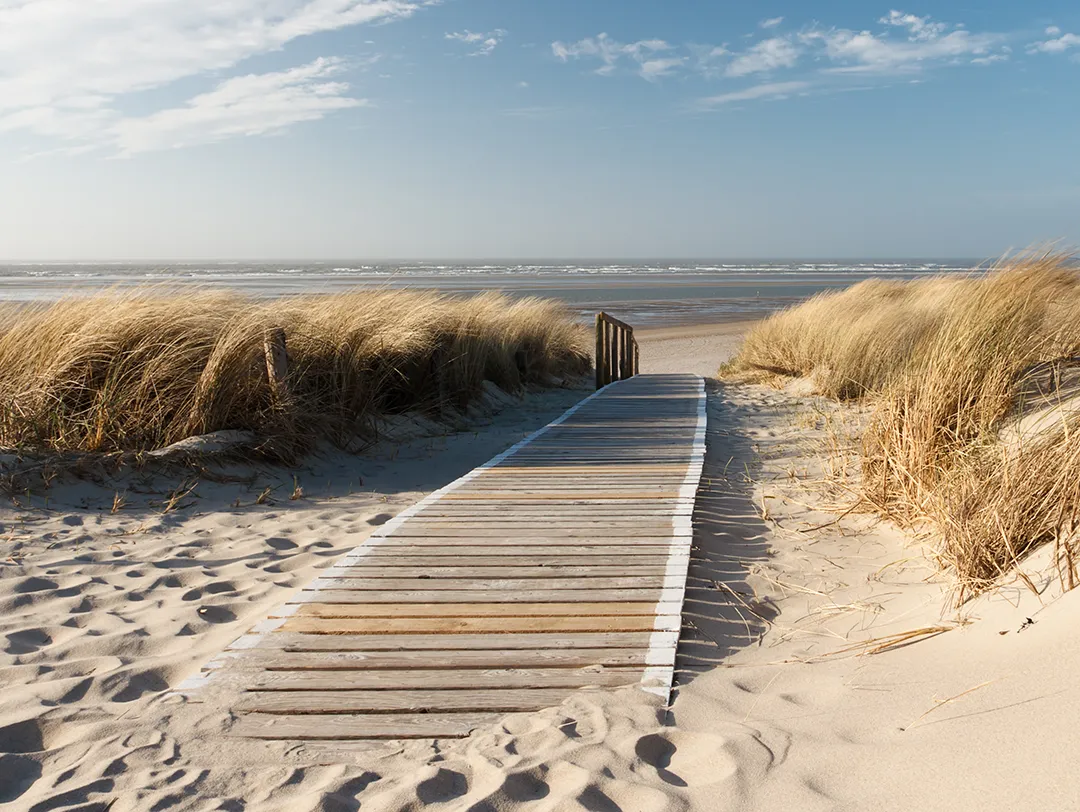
(720, 613)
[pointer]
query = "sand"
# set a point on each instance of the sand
(779, 703)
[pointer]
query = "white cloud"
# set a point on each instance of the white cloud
(920, 29)
(1058, 42)
(65, 64)
(906, 45)
(771, 90)
(484, 43)
(610, 52)
(767, 55)
(653, 69)
(927, 43)
(244, 105)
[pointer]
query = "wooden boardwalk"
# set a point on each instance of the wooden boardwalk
(560, 564)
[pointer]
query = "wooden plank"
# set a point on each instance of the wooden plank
(522, 552)
(593, 469)
(505, 700)
(556, 530)
(575, 497)
(359, 726)
(493, 678)
(488, 560)
(383, 610)
(549, 624)
(449, 571)
(448, 660)
(491, 542)
(481, 596)
(295, 642)
(554, 580)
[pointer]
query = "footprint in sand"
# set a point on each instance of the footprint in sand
(27, 641)
(34, 584)
(17, 775)
(689, 760)
(445, 785)
(216, 614)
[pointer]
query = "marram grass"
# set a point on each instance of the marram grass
(949, 364)
(140, 370)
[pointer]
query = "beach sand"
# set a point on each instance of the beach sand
(779, 704)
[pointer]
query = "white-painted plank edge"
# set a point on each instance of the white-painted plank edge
(658, 678)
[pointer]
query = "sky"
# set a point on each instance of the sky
(452, 129)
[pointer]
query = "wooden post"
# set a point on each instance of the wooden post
(637, 359)
(612, 341)
(277, 362)
(618, 352)
(599, 350)
(622, 356)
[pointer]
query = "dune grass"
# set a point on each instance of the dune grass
(947, 364)
(140, 370)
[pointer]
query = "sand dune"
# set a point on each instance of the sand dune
(780, 703)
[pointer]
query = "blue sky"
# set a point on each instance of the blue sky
(187, 129)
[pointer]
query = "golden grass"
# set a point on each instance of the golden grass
(141, 370)
(947, 364)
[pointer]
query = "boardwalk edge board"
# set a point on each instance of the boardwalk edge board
(658, 679)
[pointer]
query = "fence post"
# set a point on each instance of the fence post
(277, 362)
(612, 340)
(599, 350)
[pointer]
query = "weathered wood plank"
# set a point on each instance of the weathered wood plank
(296, 642)
(481, 596)
(484, 677)
(548, 624)
(359, 726)
(414, 610)
(450, 571)
(553, 580)
(448, 660)
(531, 552)
(505, 700)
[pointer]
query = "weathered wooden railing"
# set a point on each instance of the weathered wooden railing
(617, 353)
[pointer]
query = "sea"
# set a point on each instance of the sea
(644, 293)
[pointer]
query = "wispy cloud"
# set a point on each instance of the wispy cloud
(927, 44)
(245, 105)
(770, 90)
(904, 44)
(483, 44)
(66, 65)
(767, 55)
(1056, 42)
(650, 57)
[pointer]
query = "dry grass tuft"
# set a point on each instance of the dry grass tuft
(949, 366)
(142, 370)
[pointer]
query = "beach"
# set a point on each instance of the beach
(822, 664)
